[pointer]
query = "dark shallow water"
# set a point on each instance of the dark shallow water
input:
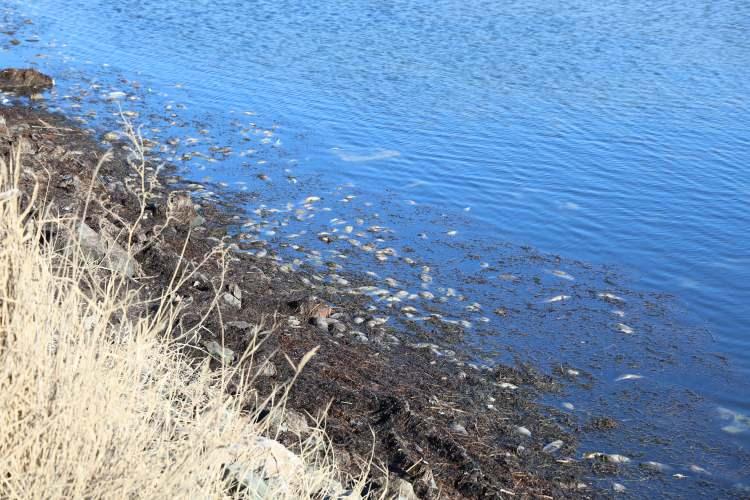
(614, 134)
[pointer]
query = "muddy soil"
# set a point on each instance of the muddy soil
(450, 429)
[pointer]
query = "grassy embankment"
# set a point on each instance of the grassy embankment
(97, 399)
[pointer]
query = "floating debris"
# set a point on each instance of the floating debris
(568, 406)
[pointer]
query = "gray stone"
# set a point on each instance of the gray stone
(240, 325)
(268, 369)
(232, 301)
(459, 429)
(109, 252)
(400, 489)
(219, 352)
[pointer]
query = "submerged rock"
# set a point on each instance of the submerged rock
(25, 81)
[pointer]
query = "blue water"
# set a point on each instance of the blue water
(613, 133)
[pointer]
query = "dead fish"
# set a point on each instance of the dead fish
(610, 297)
(568, 406)
(311, 199)
(679, 476)
(507, 385)
(618, 488)
(452, 233)
(628, 376)
(563, 275)
(655, 466)
(740, 423)
(607, 457)
(553, 447)
(622, 327)
(699, 470)
(557, 298)
(523, 431)
(572, 372)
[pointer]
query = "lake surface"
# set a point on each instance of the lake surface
(615, 134)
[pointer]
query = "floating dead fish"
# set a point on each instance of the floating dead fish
(607, 457)
(618, 488)
(523, 431)
(452, 233)
(553, 447)
(311, 199)
(698, 470)
(622, 327)
(655, 466)
(679, 476)
(572, 372)
(507, 385)
(563, 275)
(557, 298)
(568, 406)
(740, 423)
(628, 376)
(610, 297)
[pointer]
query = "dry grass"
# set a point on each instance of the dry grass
(98, 401)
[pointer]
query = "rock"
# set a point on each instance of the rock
(236, 291)
(268, 370)
(400, 489)
(272, 467)
(321, 323)
(197, 221)
(110, 253)
(25, 81)
(240, 325)
(232, 301)
(459, 429)
(219, 352)
(295, 422)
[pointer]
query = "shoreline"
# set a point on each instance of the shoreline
(449, 430)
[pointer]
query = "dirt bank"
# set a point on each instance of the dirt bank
(451, 430)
